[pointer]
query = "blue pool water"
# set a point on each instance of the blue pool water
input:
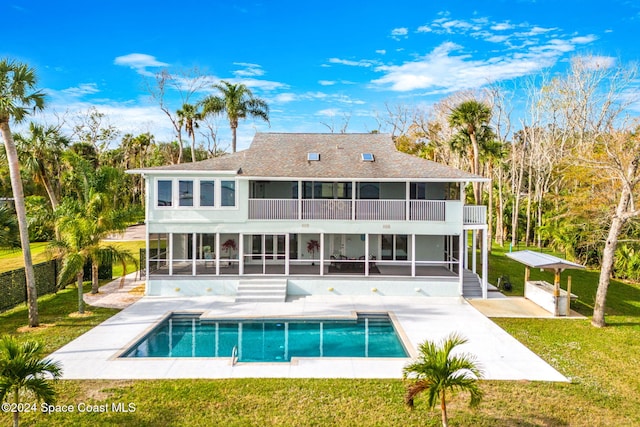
(271, 340)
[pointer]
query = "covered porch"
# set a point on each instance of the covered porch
(300, 254)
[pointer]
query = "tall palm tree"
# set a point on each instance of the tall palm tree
(470, 117)
(17, 99)
(23, 372)
(238, 102)
(189, 117)
(437, 372)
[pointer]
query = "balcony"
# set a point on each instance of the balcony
(475, 215)
(360, 210)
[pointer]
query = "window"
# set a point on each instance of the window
(369, 190)
(207, 191)
(394, 247)
(164, 193)
(228, 193)
(313, 157)
(186, 193)
(367, 157)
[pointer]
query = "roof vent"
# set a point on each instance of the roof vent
(313, 157)
(367, 157)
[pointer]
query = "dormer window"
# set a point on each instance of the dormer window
(313, 157)
(367, 157)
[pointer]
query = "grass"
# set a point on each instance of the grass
(10, 259)
(602, 364)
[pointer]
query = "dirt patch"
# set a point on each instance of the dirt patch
(138, 290)
(81, 315)
(24, 329)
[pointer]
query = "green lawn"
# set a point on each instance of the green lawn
(602, 363)
(10, 259)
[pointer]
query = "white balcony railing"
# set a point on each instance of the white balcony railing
(273, 209)
(363, 210)
(390, 210)
(427, 210)
(326, 209)
(475, 214)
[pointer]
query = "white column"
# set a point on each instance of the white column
(322, 254)
(170, 254)
(146, 259)
(241, 254)
(485, 263)
(460, 265)
(194, 254)
(474, 252)
(217, 249)
(366, 254)
(286, 254)
(413, 255)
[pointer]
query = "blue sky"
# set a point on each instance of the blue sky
(315, 62)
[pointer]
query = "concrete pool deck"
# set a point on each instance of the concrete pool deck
(94, 354)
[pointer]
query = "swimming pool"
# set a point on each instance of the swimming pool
(271, 340)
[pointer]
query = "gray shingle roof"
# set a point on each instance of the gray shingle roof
(284, 155)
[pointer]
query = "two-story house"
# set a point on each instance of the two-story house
(318, 214)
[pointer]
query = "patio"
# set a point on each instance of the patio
(94, 354)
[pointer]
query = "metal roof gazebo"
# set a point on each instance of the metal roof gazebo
(549, 263)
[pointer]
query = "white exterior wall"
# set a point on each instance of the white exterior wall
(180, 219)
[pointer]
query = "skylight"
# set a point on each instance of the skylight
(367, 157)
(313, 157)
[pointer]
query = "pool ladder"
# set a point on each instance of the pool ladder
(234, 355)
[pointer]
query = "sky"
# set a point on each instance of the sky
(318, 64)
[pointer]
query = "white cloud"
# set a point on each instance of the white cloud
(424, 29)
(443, 71)
(329, 112)
(249, 70)
(139, 62)
(398, 33)
(326, 82)
(82, 89)
(381, 51)
(360, 63)
(502, 26)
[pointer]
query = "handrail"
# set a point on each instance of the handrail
(234, 355)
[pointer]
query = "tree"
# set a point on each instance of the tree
(82, 227)
(9, 233)
(471, 118)
(189, 117)
(40, 153)
(23, 372)
(17, 81)
(237, 102)
(595, 97)
(437, 372)
(185, 84)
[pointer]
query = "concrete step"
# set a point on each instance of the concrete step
(262, 290)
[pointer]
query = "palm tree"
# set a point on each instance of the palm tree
(437, 372)
(17, 81)
(23, 372)
(471, 118)
(238, 102)
(40, 155)
(189, 117)
(82, 228)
